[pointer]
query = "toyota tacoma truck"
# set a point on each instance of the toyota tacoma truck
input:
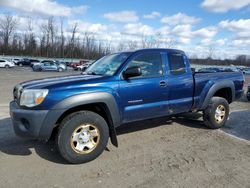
(83, 111)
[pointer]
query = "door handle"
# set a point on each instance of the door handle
(163, 83)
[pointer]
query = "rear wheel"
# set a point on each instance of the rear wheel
(82, 137)
(60, 69)
(216, 114)
(20, 64)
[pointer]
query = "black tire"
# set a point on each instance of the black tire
(20, 64)
(209, 114)
(60, 70)
(68, 127)
(40, 69)
(7, 66)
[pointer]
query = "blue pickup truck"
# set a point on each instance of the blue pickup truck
(83, 111)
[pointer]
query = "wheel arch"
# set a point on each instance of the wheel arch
(101, 103)
(224, 89)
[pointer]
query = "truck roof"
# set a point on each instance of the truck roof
(155, 50)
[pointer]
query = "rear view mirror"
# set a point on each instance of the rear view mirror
(132, 72)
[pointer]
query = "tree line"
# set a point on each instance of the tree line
(52, 42)
(239, 60)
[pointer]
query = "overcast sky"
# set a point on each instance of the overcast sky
(194, 25)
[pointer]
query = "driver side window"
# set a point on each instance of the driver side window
(150, 64)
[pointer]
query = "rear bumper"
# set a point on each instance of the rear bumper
(37, 124)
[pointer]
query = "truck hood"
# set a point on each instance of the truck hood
(59, 81)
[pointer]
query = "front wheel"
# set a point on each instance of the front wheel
(82, 137)
(216, 114)
(7, 66)
(60, 70)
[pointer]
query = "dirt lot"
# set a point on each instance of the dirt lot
(167, 152)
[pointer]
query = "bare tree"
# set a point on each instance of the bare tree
(31, 45)
(49, 31)
(89, 44)
(74, 30)
(52, 31)
(62, 40)
(8, 25)
(242, 59)
(72, 39)
(45, 38)
(42, 45)
(169, 43)
(14, 45)
(121, 47)
(132, 45)
(152, 41)
(146, 41)
(211, 50)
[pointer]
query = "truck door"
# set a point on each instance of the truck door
(180, 83)
(144, 96)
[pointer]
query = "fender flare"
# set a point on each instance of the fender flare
(216, 87)
(84, 99)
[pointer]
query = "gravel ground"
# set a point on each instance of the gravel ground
(166, 152)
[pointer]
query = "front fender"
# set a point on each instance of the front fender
(90, 98)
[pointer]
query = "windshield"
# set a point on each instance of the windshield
(107, 65)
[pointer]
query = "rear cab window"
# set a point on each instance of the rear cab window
(176, 63)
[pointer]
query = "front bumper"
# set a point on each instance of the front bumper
(37, 124)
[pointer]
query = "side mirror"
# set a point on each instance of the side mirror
(132, 72)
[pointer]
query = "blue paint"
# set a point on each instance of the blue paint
(140, 98)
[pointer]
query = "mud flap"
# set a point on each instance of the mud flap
(113, 136)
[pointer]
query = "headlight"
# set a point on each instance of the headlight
(33, 97)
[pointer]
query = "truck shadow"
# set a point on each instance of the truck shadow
(187, 119)
(12, 145)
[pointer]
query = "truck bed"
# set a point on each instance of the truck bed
(204, 81)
